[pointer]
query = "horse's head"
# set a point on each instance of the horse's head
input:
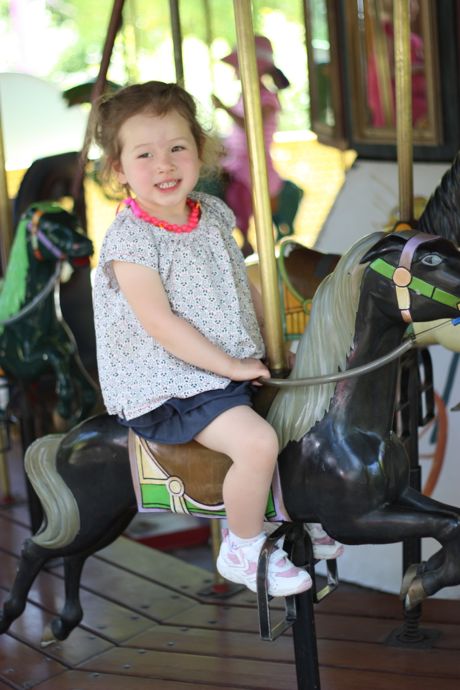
(54, 234)
(423, 272)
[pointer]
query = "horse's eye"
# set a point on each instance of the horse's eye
(432, 260)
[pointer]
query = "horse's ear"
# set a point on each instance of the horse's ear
(388, 243)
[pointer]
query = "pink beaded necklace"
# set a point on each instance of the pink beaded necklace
(193, 218)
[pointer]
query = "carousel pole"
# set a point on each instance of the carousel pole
(410, 634)
(6, 217)
(305, 646)
(6, 239)
(403, 78)
(260, 195)
(177, 40)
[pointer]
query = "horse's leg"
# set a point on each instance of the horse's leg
(414, 499)
(31, 561)
(72, 612)
(398, 522)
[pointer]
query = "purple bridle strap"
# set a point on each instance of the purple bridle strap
(403, 276)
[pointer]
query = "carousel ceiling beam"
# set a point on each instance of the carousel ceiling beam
(177, 40)
(260, 195)
(404, 132)
(6, 217)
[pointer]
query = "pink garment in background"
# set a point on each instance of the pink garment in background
(236, 159)
(419, 96)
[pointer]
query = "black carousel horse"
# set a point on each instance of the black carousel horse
(340, 463)
(34, 338)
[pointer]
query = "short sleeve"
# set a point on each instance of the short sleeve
(127, 241)
(222, 214)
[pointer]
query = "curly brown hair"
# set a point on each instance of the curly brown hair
(154, 97)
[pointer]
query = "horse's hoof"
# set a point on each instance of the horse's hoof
(48, 637)
(411, 573)
(415, 594)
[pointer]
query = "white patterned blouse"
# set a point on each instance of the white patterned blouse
(204, 275)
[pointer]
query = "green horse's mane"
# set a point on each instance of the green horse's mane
(13, 289)
(324, 346)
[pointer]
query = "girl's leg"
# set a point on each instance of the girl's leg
(252, 445)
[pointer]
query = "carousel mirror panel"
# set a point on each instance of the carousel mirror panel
(370, 31)
(321, 30)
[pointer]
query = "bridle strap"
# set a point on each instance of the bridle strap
(404, 281)
(37, 237)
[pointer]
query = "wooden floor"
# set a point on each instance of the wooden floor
(147, 627)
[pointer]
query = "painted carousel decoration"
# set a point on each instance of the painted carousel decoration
(34, 339)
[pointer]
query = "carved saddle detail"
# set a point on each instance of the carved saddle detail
(185, 478)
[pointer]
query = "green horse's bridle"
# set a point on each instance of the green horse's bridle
(405, 282)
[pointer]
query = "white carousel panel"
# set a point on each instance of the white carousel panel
(36, 120)
(369, 198)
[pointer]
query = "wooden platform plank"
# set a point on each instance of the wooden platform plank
(215, 671)
(136, 592)
(437, 663)
(71, 680)
(343, 679)
(155, 565)
(213, 643)
(12, 535)
(363, 602)
(82, 644)
(20, 665)
(4, 686)
(106, 618)
(16, 512)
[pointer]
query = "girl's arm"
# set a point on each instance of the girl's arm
(144, 292)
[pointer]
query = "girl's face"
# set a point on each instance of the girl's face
(159, 161)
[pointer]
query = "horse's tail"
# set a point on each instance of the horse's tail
(62, 518)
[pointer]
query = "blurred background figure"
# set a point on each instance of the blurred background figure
(235, 162)
(381, 68)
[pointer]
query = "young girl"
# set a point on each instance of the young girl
(178, 343)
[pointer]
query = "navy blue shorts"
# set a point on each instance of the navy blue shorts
(179, 420)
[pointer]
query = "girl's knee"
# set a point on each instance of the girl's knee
(263, 445)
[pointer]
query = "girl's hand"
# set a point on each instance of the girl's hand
(249, 369)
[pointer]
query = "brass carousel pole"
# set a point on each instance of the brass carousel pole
(6, 219)
(260, 194)
(403, 76)
(6, 238)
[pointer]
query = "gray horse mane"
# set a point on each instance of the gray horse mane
(324, 346)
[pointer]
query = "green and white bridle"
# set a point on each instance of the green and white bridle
(405, 282)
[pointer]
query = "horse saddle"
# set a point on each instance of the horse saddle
(301, 270)
(188, 478)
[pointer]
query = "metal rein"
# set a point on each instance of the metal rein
(43, 294)
(341, 375)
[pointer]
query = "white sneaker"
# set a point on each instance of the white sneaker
(239, 564)
(324, 547)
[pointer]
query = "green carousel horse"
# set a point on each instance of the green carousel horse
(34, 338)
